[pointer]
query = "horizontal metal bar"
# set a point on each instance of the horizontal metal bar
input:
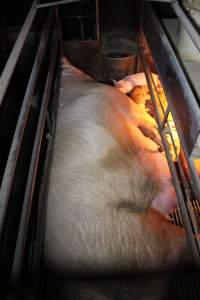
(79, 17)
(186, 23)
(15, 53)
(186, 219)
(56, 3)
(19, 131)
(27, 203)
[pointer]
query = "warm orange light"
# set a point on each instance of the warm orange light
(197, 165)
(141, 95)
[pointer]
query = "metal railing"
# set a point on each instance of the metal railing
(176, 89)
(49, 38)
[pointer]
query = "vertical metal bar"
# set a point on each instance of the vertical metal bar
(81, 22)
(27, 203)
(97, 24)
(15, 53)
(19, 131)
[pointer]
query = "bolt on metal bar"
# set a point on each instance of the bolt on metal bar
(15, 53)
(186, 220)
(19, 131)
(55, 3)
(27, 203)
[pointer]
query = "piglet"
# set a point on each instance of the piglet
(128, 83)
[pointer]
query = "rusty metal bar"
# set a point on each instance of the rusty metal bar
(27, 203)
(15, 53)
(19, 131)
(195, 245)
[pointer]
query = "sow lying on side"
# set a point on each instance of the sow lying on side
(110, 187)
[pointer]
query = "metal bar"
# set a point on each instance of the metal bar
(80, 17)
(27, 203)
(37, 242)
(185, 184)
(15, 53)
(97, 24)
(181, 100)
(55, 3)
(184, 20)
(185, 217)
(186, 23)
(165, 117)
(81, 27)
(19, 131)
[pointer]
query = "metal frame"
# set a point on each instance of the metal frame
(7, 181)
(172, 75)
(37, 241)
(184, 20)
(182, 102)
(188, 220)
(9, 172)
(27, 203)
